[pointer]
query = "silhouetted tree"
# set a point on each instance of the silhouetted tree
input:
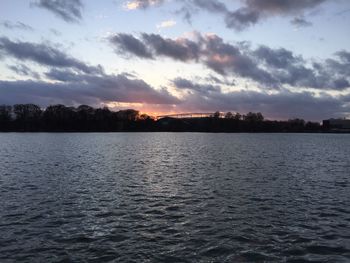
(144, 117)
(102, 114)
(237, 116)
(85, 113)
(25, 112)
(60, 117)
(312, 126)
(129, 114)
(5, 113)
(253, 117)
(299, 122)
(259, 116)
(229, 115)
(216, 114)
(296, 125)
(103, 119)
(29, 117)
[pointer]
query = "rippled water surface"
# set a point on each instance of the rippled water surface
(164, 197)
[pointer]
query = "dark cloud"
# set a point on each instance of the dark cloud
(82, 89)
(119, 88)
(242, 18)
(187, 10)
(300, 22)
(23, 70)
(254, 11)
(71, 88)
(211, 6)
(271, 68)
(282, 6)
(69, 10)
(279, 58)
(339, 67)
(341, 83)
(344, 56)
(290, 69)
(182, 83)
(64, 75)
(43, 54)
(281, 105)
(71, 80)
(248, 14)
(153, 45)
(211, 50)
(222, 81)
(15, 25)
(179, 49)
(129, 43)
(228, 59)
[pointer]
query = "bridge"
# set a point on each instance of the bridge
(191, 115)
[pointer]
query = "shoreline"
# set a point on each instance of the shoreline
(211, 132)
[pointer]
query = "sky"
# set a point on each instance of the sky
(284, 58)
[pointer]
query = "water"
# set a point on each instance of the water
(164, 197)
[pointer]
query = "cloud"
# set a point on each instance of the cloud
(290, 69)
(344, 56)
(279, 58)
(339, 68)
(128, 43)
(23, 70)
(43, 54)
(249, 12)
(70, 81)
(282, 6)
(223, 81)
(80, 89)
(166, 24)
(180, 49)
(271, 68)
(300, 22)
(68, 10)
(242, 18)
(15, 25)
(182, 83)
(229, 59)
(71, 89)
(72, 86)
(281, 105)
(253, 11)
(211, 5)
(152, 45)
(141, 4)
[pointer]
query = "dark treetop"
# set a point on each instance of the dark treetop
(60, 118)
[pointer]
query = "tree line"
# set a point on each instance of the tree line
(60, 118)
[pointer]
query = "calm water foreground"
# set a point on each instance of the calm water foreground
(164, 197)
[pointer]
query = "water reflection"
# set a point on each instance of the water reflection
(174, 197)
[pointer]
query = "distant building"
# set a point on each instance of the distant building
(341, 124)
